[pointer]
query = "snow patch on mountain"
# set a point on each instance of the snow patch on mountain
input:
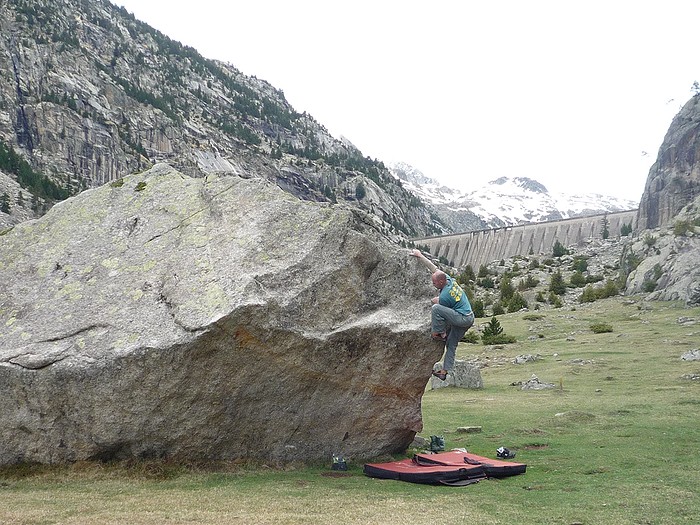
(506, 201)
(429, 190)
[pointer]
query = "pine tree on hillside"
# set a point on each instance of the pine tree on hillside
(556, 283)
(606, 222)
(558, 250)
(493, 327)
(5, 203)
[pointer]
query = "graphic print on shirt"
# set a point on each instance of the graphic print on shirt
(456, 292)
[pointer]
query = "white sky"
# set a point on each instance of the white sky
(570, 93)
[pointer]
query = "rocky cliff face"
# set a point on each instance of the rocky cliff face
(89, 94)
(674, 179)
(665, 259)
(207, 318)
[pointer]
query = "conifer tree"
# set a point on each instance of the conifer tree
(507, 289)
(606, 222)
(556, 284)
(5, 203)
(558, 250)
(493, 327)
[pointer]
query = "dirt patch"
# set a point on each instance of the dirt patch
(535, 446)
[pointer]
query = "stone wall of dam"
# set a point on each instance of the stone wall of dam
(483, 246)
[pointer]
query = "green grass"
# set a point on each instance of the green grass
(614, 442)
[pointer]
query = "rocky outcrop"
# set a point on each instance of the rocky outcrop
(665, 259)
(674, 179)
(210, 318)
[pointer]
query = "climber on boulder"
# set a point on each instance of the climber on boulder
(451, 314)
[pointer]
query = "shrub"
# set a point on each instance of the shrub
(5, 203)
(501, 339)
(486, 282)
(588, 295)
(578, 280)
(609, 290)
(591, 294)
(493, 334)
(558, 250)
(478, 308)
(556, 284)
(579, 264)
(606, 223)
(493, 328)
(467, 275)
(594, 278)
(498, 308)
(528, 283)
(507, 289)
(554, 300)
(681, 228)
(632, 260)
(649, 285)
(601, 328)
(517, 302)
(533, 317)
(471, 337)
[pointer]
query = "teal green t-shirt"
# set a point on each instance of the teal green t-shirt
(454, 297)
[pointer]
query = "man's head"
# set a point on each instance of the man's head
(439, 279)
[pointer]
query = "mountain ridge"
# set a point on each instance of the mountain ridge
(90, 94)
(504, 201)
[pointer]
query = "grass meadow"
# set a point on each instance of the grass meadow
(617, 441)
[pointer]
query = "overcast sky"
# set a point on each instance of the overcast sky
(577, 95)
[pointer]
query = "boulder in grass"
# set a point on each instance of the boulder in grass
(207, 319)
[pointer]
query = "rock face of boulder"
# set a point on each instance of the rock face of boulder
(207, 319)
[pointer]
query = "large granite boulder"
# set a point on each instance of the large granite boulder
(207, 319)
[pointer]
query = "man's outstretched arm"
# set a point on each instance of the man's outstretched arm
(424, 260)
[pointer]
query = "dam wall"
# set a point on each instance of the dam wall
(483, 246)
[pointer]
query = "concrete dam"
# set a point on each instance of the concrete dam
(483, 246)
